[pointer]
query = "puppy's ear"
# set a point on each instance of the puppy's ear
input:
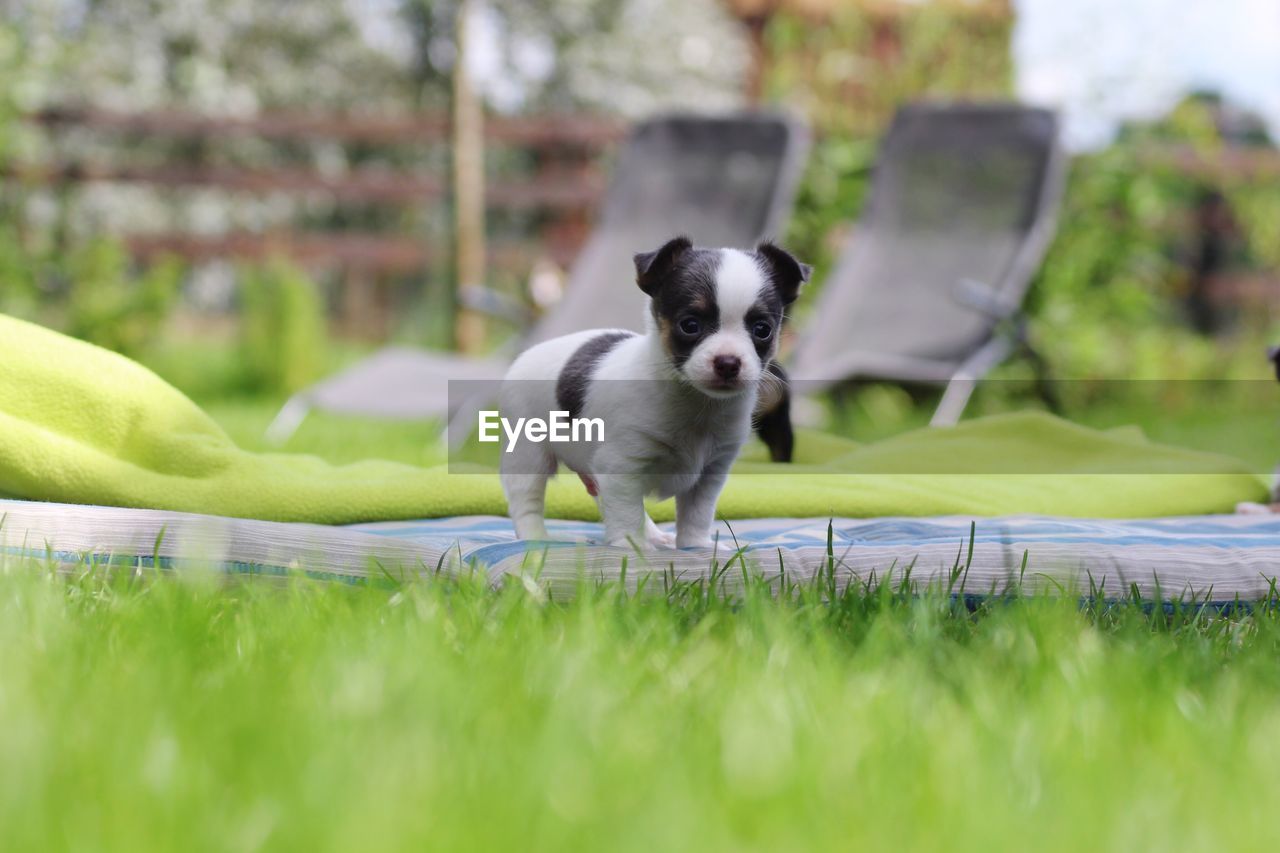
(1273, 353)
(653, 267)
(786, 272)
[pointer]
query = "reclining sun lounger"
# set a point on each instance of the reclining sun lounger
(930, 288)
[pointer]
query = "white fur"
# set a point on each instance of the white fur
(738, 283)
(668, 433)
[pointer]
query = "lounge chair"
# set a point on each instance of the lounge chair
(962, 208)
(726, 180)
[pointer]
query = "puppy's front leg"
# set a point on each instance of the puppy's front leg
(696, 508)
(622, 506)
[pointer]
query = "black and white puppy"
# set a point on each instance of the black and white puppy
(676, 401)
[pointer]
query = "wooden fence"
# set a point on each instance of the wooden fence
(562, 188)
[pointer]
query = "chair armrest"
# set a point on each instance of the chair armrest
(984, 299)
(485, 300)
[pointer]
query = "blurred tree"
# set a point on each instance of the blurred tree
(599, 55)
(1143, 238)
(848, 65)
(547, 32)
(755, 16)
(221, 55)
(282, 327)
(430, 44)
(107, 304)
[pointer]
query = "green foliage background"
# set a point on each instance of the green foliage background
(282, 327)
(1110, 298)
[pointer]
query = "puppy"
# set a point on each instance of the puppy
(676, 402)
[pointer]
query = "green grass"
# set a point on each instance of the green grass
(139, 714)
(339, 439)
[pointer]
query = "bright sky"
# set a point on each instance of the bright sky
(1104, 61)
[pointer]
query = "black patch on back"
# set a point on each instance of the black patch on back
(772, 417)
(688, 291)
(571, 387)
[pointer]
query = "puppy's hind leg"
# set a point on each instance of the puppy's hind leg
(525, 471)
(622, 508)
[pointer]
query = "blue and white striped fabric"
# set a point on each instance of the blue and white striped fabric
(1215, 558)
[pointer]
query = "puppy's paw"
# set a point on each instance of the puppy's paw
(630, 541)
(649, 540)
(1250, 508)
(699, 542)
(657, 539)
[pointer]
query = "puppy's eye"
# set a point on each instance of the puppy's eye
(690, 326)
(762, 330)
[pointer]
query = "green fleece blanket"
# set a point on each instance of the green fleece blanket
(79, 424)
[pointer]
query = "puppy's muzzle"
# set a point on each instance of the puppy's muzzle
(727, 367)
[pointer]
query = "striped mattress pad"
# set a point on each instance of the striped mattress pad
(1204, 558)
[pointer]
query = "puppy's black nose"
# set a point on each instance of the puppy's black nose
(727, 366)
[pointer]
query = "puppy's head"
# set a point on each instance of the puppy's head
(719, 311)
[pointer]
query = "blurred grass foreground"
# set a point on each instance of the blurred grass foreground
(142, 715)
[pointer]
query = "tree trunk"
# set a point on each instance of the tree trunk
(756, 25)
(468, 188)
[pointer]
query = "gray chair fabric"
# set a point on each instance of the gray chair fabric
(723, 181)
(961, 211)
